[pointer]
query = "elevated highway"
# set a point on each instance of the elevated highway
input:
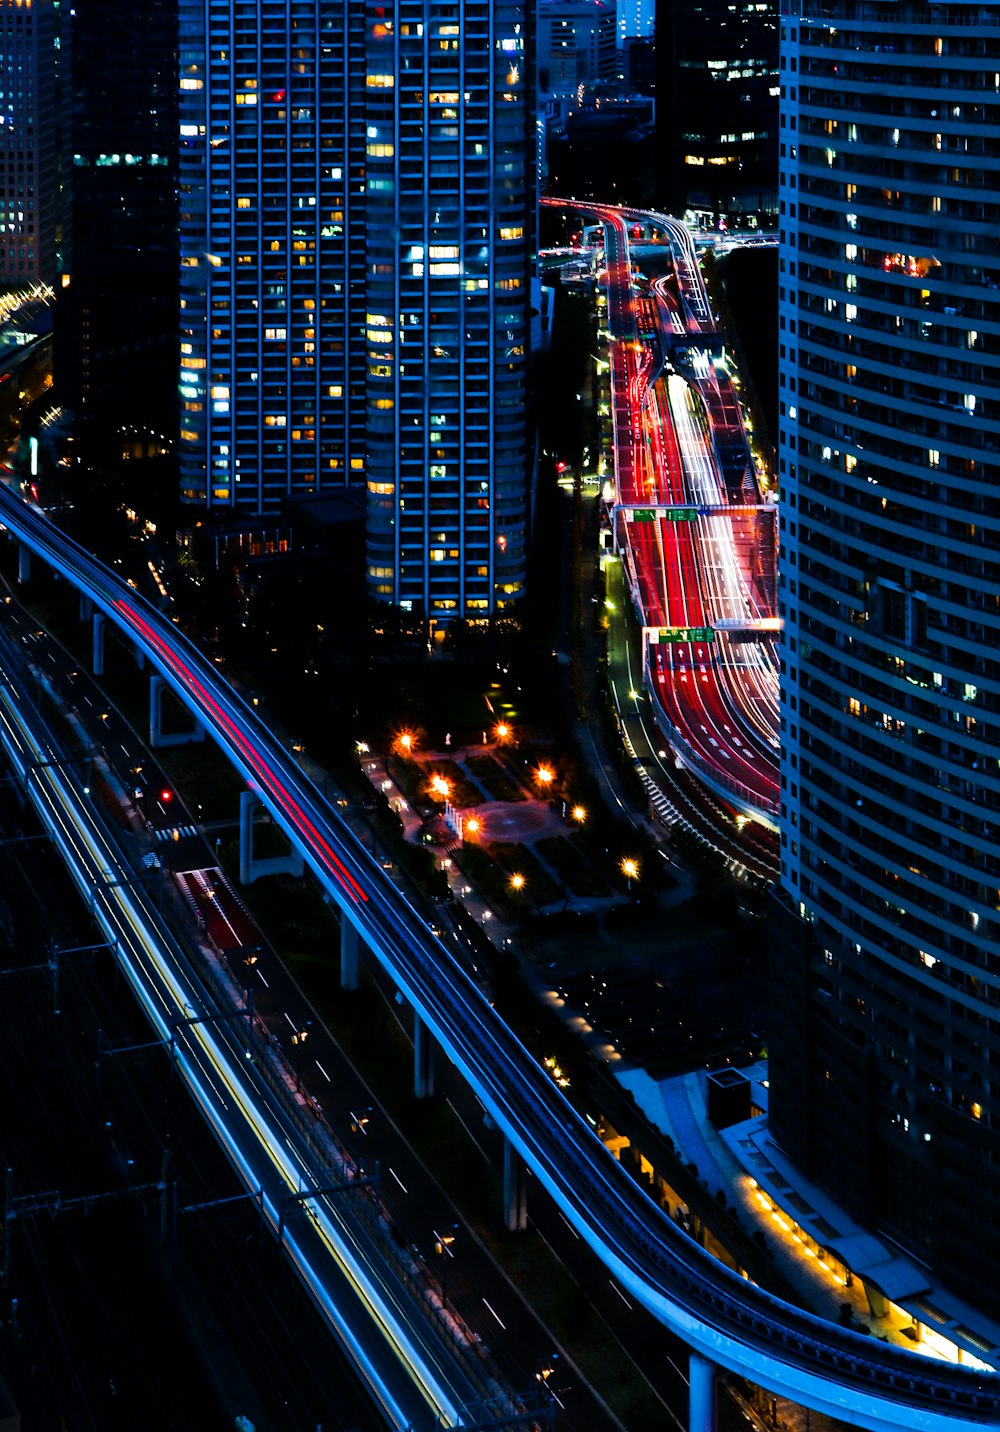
(725, 1321)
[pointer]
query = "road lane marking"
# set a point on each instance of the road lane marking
(620, 1294)
(496, 1315)
(399, 1180)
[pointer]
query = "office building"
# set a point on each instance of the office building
(115, 355)
(885, 1031)
(717, 108)
(28, 143)
(272, 185)
(636, 20)
(576, 43)
(450, 135)
(603, 146)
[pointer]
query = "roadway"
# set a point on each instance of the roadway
(489, 1308)
(412, 1375)
(694, 569)
(719, 1315)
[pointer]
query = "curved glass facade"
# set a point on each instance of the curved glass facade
(449, 205)
(885, 1038)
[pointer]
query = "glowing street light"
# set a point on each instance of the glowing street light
(546, 775)
(473, 825)
(503, 731)
(298, 1040)
(405, 742)
(579, 814)
(440, 786)
(517, 882)
(630, 869)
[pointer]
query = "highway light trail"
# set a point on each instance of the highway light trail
(717, 697)
(212, 1064)
(267, 777)
(718, 1314)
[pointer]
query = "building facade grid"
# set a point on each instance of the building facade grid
(886, 1022)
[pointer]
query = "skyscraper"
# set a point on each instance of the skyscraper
(272, 250)
(28, 142)
(717, 106)
(885, 1038)
(115, 354)
(449, 128)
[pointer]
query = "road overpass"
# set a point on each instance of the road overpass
(725, 1321)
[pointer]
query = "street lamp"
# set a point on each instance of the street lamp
(517, 882)
(630, 869)
(405, 742)
(502, 732)
(545, 775)
(298, 1039)
(440, 787)
(442, 1245)
(579, 814)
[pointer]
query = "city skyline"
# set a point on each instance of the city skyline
(354, 268)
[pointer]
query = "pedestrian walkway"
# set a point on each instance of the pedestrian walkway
(175, 832)
(808, 1250)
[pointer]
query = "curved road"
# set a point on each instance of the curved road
(735, 1324)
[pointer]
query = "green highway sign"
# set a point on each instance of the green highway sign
(670, 514)
(683, 634)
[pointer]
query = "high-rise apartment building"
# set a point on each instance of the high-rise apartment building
(576, 43)
(28, 142)
(449, 130)
(717, 107)
(885, 1032)
(272, 250)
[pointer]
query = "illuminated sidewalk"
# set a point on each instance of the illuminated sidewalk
(832, 1262)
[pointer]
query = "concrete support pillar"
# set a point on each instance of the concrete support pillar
(157, 687)
(86, 607)
(140, 657)
(423, 1059)
(515, 1189)
(250, 869)
(97, 662)
(350, 943)
(701, 1406)
(23, 563)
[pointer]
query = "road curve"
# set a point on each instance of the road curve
(732, 1322)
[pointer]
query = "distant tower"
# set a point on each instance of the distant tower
(885, 1032)
(450, 134)
(272, 253)
(28, 143)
